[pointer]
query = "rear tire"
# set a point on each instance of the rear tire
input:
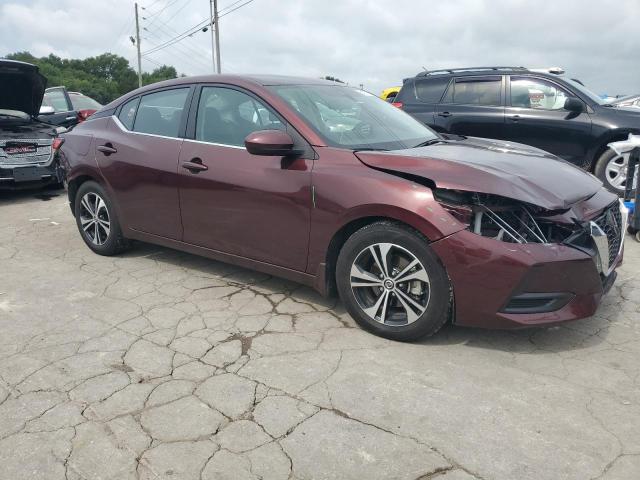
(97, 220)
(392, 283)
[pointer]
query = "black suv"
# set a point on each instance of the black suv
(541, 108)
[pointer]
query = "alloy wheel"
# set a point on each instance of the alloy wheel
(616, 171)
(94, 218)
(390, 284)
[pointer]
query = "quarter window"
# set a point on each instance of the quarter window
(536, 93)
(475, 91)
(227, 116)
(160, 113)
(128, 113)
(431, 90)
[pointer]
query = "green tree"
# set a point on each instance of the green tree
(104, 77)
(164, 72)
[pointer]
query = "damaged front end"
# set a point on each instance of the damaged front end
(513, 221)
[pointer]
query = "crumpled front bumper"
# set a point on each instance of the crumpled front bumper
(487, 274)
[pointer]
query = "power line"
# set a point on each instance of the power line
(187, 46)
(180, 36)
(151, 60)
(194, 60)
(194, 29)
(151, 4)
(156, 16)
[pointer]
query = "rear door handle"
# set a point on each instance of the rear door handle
(514, 118)
(194, 165)
(444, 114)
(107, 149)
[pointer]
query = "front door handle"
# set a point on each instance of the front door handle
(194, 165)
(514, 118)
(444, 114)
(107, 149)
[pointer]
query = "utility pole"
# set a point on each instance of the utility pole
(138, 46)
(215, 36)
(213, 45)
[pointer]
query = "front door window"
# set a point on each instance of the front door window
(226, 116)
(536, 93)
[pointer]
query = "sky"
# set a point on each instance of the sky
(371, 42)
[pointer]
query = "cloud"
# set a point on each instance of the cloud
(376, 43)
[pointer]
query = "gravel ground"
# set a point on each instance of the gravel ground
(159, 364)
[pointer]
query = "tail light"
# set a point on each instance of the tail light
(397, 104)
(57, 143)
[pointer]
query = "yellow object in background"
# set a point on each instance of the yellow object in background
(389, 94)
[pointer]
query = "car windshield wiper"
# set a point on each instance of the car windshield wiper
(431, 141)
(370, 149)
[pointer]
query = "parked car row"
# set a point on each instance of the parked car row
(541, 108)
(335, 188)
(412, 226)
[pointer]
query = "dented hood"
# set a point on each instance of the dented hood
(507, 169)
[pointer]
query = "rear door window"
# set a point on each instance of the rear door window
(483, 91)
(430, 90)
(160, 113)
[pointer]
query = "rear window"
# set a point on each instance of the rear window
(475, 91)
(430, 90)
(160, 113)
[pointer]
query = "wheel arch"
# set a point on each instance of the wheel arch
(604, 141)
(326, 281)
(74, 184)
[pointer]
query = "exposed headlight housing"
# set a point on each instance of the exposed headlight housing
(502, 218)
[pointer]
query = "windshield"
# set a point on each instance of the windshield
(349, 118)
(581, 88)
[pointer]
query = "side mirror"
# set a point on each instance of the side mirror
(573, 105)
(270, 143)
(46, 110)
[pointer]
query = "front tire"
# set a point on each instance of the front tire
(97, 221)
(611, 170)
(392, 283)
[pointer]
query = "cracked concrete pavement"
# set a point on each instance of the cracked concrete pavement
(162, 365)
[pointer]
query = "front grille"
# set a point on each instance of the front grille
(611, 224)
(40, 156)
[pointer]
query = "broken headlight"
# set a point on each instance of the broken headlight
(502, 218)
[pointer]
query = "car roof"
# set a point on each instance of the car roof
(498, 70)
(264, 80)
(239, 80)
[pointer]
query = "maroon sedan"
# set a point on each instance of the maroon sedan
(334, 188)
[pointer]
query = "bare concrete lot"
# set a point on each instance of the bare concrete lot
(158, 364)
